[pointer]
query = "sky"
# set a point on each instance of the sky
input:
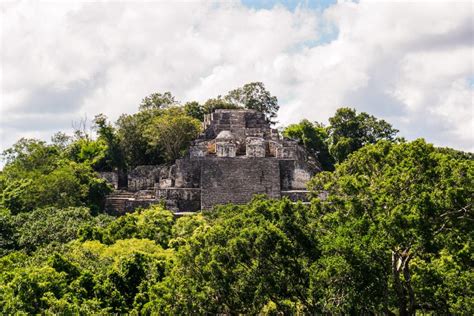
(408, 62)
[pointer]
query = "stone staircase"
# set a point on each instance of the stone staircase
(116, 202)
(120, 202)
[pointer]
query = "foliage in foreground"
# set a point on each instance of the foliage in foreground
(398, 219)
(393, 237)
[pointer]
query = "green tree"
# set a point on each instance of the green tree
(154, 223)
(131, 131)
(38, 175)
(314, 137)
(61, 140)
(27, 290)
(88, 151)
(255, 96)
(44, 226)
(7, 233)
(350, 131)
(243, 259)
(157, 101)
(82, 278)
(184, 227)
(107, 134)
(123, 271)
(70, 184)
(219, 103)
(173, 131)
(31, 155)
(195, 110)
(395, 229)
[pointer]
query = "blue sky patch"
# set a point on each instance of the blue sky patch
(470, 80)
(290, 4)
(328, 33)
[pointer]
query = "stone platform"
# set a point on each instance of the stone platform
(237, 156)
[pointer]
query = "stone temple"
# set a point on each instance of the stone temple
(237, 156)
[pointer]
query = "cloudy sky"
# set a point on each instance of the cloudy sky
(410, 63)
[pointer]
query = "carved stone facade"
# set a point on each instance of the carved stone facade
(237, 156)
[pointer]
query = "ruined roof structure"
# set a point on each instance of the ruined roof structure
(237, 156)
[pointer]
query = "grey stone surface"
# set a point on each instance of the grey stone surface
(143, 177)
(227, 180)
(256, 147)
(180, 199)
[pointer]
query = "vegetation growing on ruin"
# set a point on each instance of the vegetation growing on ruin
(394, 235)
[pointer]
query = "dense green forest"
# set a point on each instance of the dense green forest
(393, 236)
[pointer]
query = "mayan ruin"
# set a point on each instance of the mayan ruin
(237, 156)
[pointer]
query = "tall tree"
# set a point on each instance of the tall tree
(255, 96)
(194, 109)
(247, 259)
(173, 131)
(157, 101)
(314, 137)
(350, 131)
(108, 134)
(394, 213)
(131, 131)
(89, 151)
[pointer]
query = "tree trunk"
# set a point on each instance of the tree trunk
(400, 264)
(409, 288)
(399, 290)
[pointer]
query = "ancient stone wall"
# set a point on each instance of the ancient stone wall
(256, 147)
(294, 175)
(236, 180)
(188, 173)
(237, 156)
(121, 202)
(143, 177)
(226, 149)
(241, 123)
(199, 149)
(180, 199)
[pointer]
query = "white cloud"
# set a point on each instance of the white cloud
(406, 62)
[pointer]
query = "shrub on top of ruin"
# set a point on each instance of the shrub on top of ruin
(255, 96)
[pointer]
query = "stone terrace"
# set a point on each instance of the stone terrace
(237, 156)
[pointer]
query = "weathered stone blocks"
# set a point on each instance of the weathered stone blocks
(256, 147)
(226, 145)
(237, 156)
(226, 180)
(143, 177)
